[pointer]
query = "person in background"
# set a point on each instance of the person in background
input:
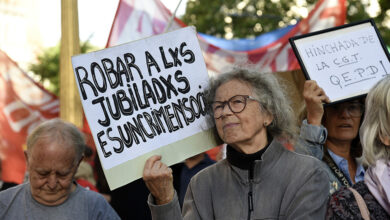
(260, 178)
(101, 182)
(331, 135)
(374, 191)
(183, 172)
(130, 201)
(85, 175)
(54, 151)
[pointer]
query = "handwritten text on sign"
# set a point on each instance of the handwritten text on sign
(345, 63)
(143, 95)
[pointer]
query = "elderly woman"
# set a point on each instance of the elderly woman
(331, 135)
(375, 136)
(260, 178)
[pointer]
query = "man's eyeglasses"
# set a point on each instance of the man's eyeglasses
(354, 109)
(236, 104)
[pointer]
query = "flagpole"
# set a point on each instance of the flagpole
(172, 17)
(70, 103)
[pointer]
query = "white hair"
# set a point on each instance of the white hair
(376, 123)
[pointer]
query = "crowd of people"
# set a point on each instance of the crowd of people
(337, 168)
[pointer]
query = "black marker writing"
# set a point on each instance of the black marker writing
(109, 73)
(147, 125)
(124, 102)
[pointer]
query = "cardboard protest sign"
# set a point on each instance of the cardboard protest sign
(345, 61)
(145, 98)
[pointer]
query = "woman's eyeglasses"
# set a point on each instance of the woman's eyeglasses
(236, 104)
(354, 109)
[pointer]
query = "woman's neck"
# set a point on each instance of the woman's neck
(252, 145)
(342, 149)
(250, 148)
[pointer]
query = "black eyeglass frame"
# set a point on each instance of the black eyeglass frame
(246, 97)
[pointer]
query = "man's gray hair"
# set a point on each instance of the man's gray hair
(269, 92)
(376, 123)
(56, 130)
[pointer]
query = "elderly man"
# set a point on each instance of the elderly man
(54, 152)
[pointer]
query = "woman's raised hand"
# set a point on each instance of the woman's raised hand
(314, 98)
(159, 180)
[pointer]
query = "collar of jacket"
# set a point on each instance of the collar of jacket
(242, 160)
(262, 166)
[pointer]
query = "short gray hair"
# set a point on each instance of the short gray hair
(269, 93)
(376, 123)
(60, 132)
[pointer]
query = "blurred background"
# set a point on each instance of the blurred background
(30, 30)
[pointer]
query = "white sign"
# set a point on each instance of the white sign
(345, 61)
(145, 98)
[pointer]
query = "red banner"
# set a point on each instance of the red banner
(23, 105)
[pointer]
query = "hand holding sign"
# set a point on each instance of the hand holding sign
(145, 98)
(159, 180)
(314, 98)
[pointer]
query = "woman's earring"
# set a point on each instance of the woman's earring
(265, 124)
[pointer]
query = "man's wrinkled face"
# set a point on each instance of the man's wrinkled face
(51, 170)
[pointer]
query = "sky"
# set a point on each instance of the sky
(94, 22)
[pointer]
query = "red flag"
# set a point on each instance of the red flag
(139, 19)
(23, 105)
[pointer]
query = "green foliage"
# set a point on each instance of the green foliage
(382, 18)
(250, 18)
(356, 11)
(47, 68)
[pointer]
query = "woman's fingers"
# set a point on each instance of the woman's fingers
(151, 161)
(313, 92)
(314, 97)
(159, 180)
